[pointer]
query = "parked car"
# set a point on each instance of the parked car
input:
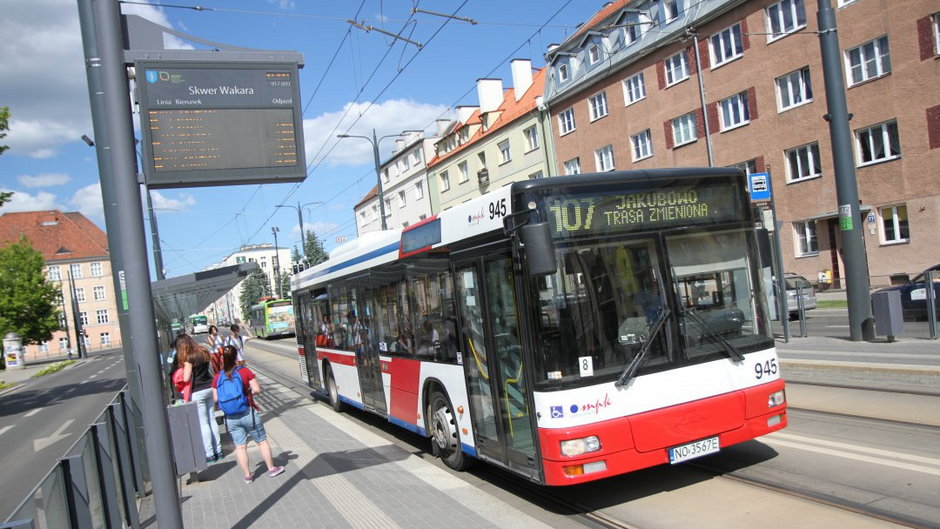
(914, 294)
(794, 284)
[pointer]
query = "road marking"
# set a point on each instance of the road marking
(32, 412)
(5, 428)
(56, 436)
(839, 450)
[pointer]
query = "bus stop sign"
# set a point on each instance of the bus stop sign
(759, 186)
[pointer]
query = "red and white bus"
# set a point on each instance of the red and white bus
(567, 329)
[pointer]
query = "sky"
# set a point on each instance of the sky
(352, 82)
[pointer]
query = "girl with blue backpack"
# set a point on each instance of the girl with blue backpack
(234, 388)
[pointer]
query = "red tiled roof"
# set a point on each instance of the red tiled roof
(58, 236)
(509, 111)
(605, 12)
(369, 196)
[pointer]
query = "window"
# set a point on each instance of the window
(566, 121)
(749, 166)
(604, 158)
(464, 171)
(385, 176)
(95, 269)
(63, 344)
(83, 317)
(642, 145)
(573, 166)
(531, 139)
(102, 316)
(105, 338)
(677, 68)
(734, 111)
(671, 10)
(785, 17)
(536, 175)
(401, 199)
(634, 89)
(683, 129)
(264, 263)
(419, 190)
(878, 143)
(99, 293)
(445, 181)
(562, 73)
(80, 295)
(936, 33)
(504, 153)
(54, 273)
(869, 60)
(806, 238)
(726, 45)
(894, 228)
(803, 162)
(598, 105)
(240, 259)
(76, 270)
(594, 54)
(415, 157)
(44, 347)
(388, 207)
(794, 89)
(844, 2)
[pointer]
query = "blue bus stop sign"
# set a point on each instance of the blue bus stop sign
(759, 186)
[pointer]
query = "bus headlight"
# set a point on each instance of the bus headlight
(576, 447)
(776, 398)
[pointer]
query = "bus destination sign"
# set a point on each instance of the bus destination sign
(579, 214)
(223, 123)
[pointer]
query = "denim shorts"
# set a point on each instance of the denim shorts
(241, 426)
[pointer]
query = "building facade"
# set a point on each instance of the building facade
(671, 83)
(404, 187)
(227, 309)
(499, 142)
(78, 261)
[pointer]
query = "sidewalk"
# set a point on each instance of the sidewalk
(337, 474)
(22, 377)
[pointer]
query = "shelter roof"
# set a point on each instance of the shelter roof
(179, 297)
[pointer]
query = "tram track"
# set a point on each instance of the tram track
(560, 501)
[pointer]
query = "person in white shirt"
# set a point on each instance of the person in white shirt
(237, 341)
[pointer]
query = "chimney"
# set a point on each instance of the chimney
(490, 94)
(442, 125)
(399, 145)
(521, 76)
(464, 113)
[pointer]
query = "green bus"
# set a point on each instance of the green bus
(199, 323)
(272, 318)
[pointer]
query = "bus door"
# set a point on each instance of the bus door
(307, 324)
(366, 347)
(493, 362)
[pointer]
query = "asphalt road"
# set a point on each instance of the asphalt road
(835, 323)
(40, 422)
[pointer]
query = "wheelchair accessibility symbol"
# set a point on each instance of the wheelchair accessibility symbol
(557, 412)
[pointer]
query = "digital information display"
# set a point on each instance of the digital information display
(703, 203)
(224, 123)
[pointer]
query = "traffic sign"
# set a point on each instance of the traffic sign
(759, 186)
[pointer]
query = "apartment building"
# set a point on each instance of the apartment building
(78, 261)
(499, 142)
(669, 83)
(227, 308)
(404, 186)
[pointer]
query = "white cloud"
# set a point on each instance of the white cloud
(26, 202)
(87, 201)
(181, 203)
(320, 228)
(44, 180)
(389, 117)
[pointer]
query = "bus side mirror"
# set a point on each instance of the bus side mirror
(539, 252)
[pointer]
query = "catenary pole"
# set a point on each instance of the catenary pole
(378, 178)
(861, 322)
(129, 216)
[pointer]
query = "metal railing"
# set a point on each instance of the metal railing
(97, 483)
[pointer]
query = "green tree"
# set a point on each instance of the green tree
(256, 286)
(29, 304)
(314, 254)
(4, 126)
(283, 290)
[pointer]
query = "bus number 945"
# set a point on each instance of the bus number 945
(498, 208)
(768, 368)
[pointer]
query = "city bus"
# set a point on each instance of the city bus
(566, 329)
(272, 318)
(199, 323)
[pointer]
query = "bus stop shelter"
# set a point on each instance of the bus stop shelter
(177, 298)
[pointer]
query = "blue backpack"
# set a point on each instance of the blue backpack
(231, 392)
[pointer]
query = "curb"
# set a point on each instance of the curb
(870, 374)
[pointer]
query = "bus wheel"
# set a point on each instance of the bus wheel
(334, 393)
(445, 435)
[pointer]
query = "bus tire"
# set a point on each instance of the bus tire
(444, 431)
(332, 390)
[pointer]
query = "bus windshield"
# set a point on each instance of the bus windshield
(598, 311)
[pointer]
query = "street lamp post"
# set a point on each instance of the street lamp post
(378, 165)
(277, 263)
(300, 219)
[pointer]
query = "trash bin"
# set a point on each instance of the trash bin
(889, 315)
(188, 452)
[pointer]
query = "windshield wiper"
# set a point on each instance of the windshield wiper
(638, 359)
(730, 350)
